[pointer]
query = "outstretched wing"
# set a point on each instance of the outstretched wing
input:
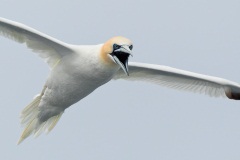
(180, 79)
(48, 48)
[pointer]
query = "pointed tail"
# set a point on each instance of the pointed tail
(30, 120)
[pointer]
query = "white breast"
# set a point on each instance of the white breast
(76, 76)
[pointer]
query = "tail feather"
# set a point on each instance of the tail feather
(53, 122)
(27, 131)
(30, 120)
(40, 130)
(29, 108)
(48, 125)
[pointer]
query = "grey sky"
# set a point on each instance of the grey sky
(126, 120)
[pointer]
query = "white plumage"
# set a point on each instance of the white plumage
(77, 70)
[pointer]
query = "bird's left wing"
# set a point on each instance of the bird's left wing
(180, 79)
(48, 48)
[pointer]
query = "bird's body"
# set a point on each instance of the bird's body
(69, 81)
(73, 81)
(77, 70)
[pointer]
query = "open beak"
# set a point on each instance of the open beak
(120, 56)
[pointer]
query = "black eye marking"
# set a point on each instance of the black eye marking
(131, 47)
(116, 46)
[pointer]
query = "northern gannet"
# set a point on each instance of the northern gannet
(77, 70)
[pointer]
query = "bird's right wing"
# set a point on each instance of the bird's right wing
(48, 48)
(180, 79)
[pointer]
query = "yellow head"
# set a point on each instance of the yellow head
(117, 51)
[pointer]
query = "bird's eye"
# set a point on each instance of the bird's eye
(116, 46)
(131, 47)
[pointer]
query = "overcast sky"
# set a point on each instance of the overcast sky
(149, 121)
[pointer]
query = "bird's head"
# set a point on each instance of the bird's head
(117, 51)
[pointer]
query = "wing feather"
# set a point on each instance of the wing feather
(182, 80)
(48, 48)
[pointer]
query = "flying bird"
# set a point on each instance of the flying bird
(77, 70)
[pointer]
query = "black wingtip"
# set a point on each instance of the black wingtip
(232, 95)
